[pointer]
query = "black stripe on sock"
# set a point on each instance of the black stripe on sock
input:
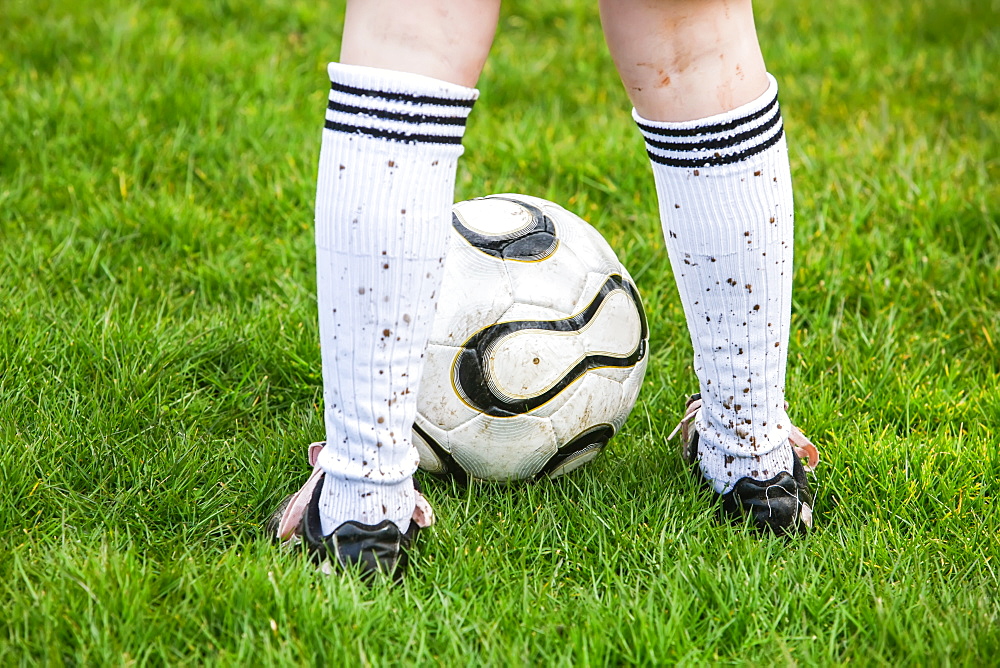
(405, 137)
(717, 159)
(396, 116)
(708, 129)
(722, 142)
(401, 97)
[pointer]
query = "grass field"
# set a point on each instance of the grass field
(160, 375)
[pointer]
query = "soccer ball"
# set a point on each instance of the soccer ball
(538, 348)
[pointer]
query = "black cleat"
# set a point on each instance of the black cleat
(781, 505)
(353, 546)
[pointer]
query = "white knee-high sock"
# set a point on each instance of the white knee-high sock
(383, 211)
(725, 200)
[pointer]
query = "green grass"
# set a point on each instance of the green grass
(160, 376)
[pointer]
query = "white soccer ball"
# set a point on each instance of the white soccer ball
(539, 344)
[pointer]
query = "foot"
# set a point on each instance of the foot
(366, 548)
(781, 505)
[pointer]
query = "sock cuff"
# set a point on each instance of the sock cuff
(397, 106)
(368, 502)
(722, 139)
(723, 470)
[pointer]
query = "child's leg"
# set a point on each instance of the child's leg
(708, 111)
(397, 110)
(442, 39)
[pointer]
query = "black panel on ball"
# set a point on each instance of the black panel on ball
(594, 438)
(469, 373)
(531, 243)
(451, 467)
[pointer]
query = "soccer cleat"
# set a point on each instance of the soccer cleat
(369, 549)
(782, 504)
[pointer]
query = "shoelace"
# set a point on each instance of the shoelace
(803, 447)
